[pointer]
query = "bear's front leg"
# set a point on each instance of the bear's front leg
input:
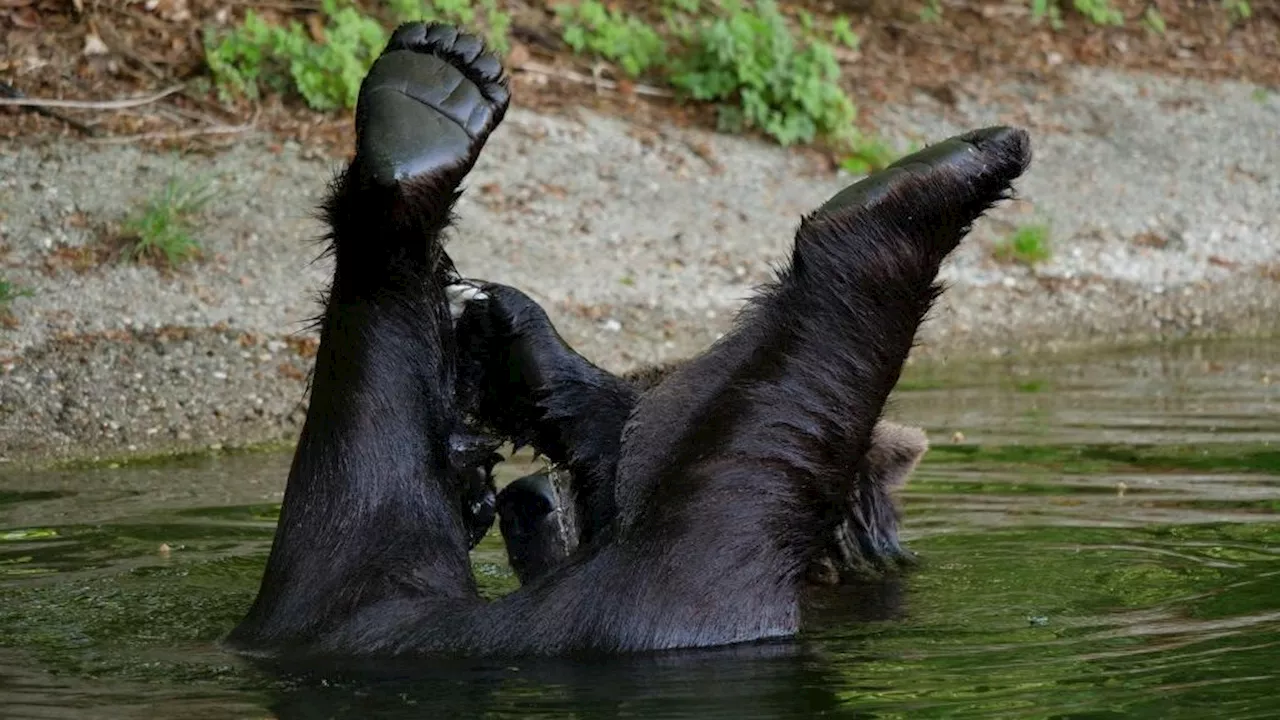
(521, 380)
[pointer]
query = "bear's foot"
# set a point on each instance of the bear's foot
(990, 156)
(538, 523)
(428, 105)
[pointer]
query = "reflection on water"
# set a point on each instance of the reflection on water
(1102, 540)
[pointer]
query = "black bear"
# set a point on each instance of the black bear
(705, 497)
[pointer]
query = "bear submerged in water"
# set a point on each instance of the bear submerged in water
(701, 499)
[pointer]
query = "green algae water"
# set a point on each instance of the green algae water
(1099, 537)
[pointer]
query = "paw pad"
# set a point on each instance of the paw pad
(428, 104)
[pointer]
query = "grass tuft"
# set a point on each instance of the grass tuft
(160, 232)
(8, 293)
(867, 154)
(1098, 12)
(1028, 245)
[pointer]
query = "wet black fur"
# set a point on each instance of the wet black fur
(526, 384)
(730, 474)
(529, 386)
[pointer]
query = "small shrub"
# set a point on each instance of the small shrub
(160, 231)
(326, 73)
(325, 62)
(748, 59)
(482, 13)
(743, 55)
(1027, 245)
(1099, 12)
(616, 36)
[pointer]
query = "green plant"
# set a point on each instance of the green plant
(1028, 245)
(160, 231)
(748, 59)
(741, 54)
(614, 35)
(482, 13)
(842, 32)
(931, 11)
(1099, 12)
(327, 74)
(10, 292)
(867, 154)
(1239, 10)
(1154, 20)
(326, 62)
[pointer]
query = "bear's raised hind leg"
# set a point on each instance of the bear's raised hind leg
(387, 490)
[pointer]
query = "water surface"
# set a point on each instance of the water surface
(1100, 537)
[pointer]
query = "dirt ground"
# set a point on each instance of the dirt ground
(638, 228)
(92, 49)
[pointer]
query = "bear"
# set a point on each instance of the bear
(528, 385)
(728, 477)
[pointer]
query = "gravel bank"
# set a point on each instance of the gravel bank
(1163, 198)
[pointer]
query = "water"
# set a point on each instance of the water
(1103, 542)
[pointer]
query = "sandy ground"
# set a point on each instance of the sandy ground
(1163, 198)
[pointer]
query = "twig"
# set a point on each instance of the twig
(118, 45)
(8, 92)
(537, 68)
(298, 5)
(918, 36)
(151, 73)
(174, 134)
(92, 104)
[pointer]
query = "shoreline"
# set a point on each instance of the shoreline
(1161, 195)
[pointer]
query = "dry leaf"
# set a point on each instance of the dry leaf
(25, 18)
(171, 10)
(93, 45)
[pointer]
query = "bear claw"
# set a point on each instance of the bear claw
(460, 294)
(428, 104)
